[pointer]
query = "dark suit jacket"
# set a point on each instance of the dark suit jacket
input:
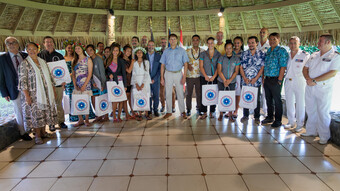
(8, 76)
(155, 72)
(119, 72)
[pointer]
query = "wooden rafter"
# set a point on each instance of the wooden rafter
(296, 19)
(153, 5)
(277, 20)
(195, 20)
(243, 22)
(207, 3)
(36, 24)
(138, 17)
(74, 24)
(226, 23)
(19, 19)
(90, 25)
(316, 15)
(222, 3)
(166, 5)
(336, 9)
(2, 8)
(111, 4)
(122, 24)
(238, 3)
(95, 4)
(125, 4)
(193, 5)
(211, 28)
(56, 23)
(259, 19)
(81, 1)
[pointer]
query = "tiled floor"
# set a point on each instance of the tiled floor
(171, 155)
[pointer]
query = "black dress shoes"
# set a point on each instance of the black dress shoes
(26, 137)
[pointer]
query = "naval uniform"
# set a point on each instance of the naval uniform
(295, 85)
(318, 97)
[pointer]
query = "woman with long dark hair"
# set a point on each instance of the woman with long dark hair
(238, 50)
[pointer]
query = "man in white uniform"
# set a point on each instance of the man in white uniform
(264, 46)
(295, 85)
(319, 73)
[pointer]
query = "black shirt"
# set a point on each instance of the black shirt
(54, 56)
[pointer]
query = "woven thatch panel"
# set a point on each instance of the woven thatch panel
(83, 23)
(203, 23)
(305, 15)
(235, 21)
(143, 24)
(326, 12)
(118, 4)
(9, 16)
(118, 23)
(159, 5)
(48, 20)
(131, 5)
(267, 19)
(251, 20)
(285, 17)
(230, 3)
(174, 24)
(99, 23)
(66, 22)
(28, 19)
(188, 23)
(87, 3)
(215, 22)
(72, 3)
(56, 2)
(158, 24)
(201, 4)
(103, 4)
(185, 4)
(145, 5)
(173, 5)
(130, 24)
(214, 3)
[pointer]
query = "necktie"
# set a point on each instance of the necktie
(16, 60)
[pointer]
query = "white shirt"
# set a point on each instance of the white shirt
(265, 46)
(295, 65)
(14, 60)
(319, 65)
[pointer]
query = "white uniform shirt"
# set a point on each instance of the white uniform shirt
(295, 65)
(319, 65)
(265, 46)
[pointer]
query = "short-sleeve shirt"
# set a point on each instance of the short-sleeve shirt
(210, 65)
(275, 59)
(220, 48)
(54, 56)
(228, 66)
(265, 46)
(174, 59)
(319, 65)
(252, 65)
(194, 60)
(295, 65)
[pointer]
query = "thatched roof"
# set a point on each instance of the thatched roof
(86, 20)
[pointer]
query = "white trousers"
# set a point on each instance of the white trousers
(295, 94)
(18, 114)
(172, 79)
(318, 104)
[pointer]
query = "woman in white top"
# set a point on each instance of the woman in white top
(140, 79)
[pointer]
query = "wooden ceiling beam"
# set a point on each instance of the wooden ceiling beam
(111, 4)
(296, 19)
(277, 20)
(82, 10)
(259, 19)
(243, 22)
(2, 8)
(226, 24)
(195, 20)
(95, 4)
(90, 25)
(81, 1)
(125, 4)
(74, 24)
(56, 24)
(336, 9)
(316, 15)
(222, 3)
(211, 28)
(36, 24)
(16, 24)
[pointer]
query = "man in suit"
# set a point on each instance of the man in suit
(9, 64)
(155, 69)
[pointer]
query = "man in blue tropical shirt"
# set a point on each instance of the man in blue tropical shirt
(274, 69)
(252, 65)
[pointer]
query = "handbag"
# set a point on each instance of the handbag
(226, 100)
(102, 105)
(116, 92)
(80, 104)
(209, 94)
(140, 100)
(59, 72)
(248, 97)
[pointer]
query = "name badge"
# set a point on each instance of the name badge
(298, 60)
(326, 59)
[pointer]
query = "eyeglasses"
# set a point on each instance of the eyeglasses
(12, 43)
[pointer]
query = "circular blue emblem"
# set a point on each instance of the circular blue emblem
(210, 95)
(103, 105)
(58, 72)
(116, 91)
(226, 101)
(248, 97)
(141, 102)
(81, 105)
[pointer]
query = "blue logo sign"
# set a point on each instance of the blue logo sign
(81, 105)
(226, 101)
(103, 105)
(248, 97)
(210, 95)
(58, 72)
(141, 102)
(117, 91)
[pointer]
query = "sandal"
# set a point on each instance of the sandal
(231, 118)
(115, 121)
(139, 118)
(87, 123)
(204, 116)
(119, 120)
(78, 124)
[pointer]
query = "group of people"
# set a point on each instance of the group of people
(25, 79)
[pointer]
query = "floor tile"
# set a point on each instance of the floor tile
(8, 184)
(291, 138)
(108, 183)
(218, 166)
(223, 130)
(181, 140)
(69, 184)
(242, 151)
(84, 133)
(207, 139)
(83, 168)
(148, 183)
(50, 143)
(123, 153)
(270, 150)
(10, 154)
(76, 142)
(266, 182)
(184, 166)
(150, 167)
(182, 152)
(328, 149)
(17, 169)
(132, 131)
(180, 130)
(162, 131)
(320, 164)
(287, 165)
(154, 140)
(89, 153)
(101, 142)
(221, 182)
(260, 138)
(302, 182)
(116, 168)
(212, 151)
(35, 155)
(253, 130)
(252, 165)
(34, 184)
(108, 132)
(204, 130)
(234, 139)
(302, 150)
(3, 164)
(21, 144)
(128, 141)
(152, 152)
(186, 183)
(335, 158)
(331, 179)
(50, 169)
(64, 154)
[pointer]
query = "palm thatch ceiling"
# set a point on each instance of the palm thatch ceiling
(88, 18)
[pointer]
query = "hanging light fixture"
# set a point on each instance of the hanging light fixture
(220, 14)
